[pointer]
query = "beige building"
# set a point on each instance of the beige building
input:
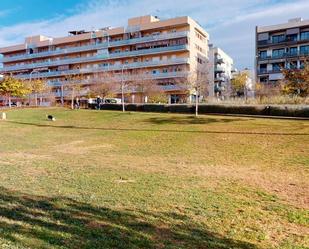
(166, 51)
(281, 46)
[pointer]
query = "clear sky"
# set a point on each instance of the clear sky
(230, 23)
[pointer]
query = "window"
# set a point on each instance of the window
(156, 33)
(199, 36)
(278, 53)
(304, 50)
(199, 60)
(277, 67)
(263, 68)
(293, 65)
(291, 37)
(278, 38)
(263, 54)
(263, 79)
(293, 51)
(304, 35)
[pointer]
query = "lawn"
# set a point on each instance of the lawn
(100, 179)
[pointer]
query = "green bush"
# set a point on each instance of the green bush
(263, 110)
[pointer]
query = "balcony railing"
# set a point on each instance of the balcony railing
(266, 71)
(220, 78)
(135, 65)
(118, 78)
(219, 68)
(286, 40)
(103, 45)
(284, 55)
(95, 58)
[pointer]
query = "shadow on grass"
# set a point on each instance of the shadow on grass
(187, 120)
(37, 222)
(161, 130)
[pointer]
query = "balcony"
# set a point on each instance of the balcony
(118, 78)
(104, 45)
(266, 71)
(286, 40)
(96, 58)
(220, 79)
(284, 56)
(135, 65)
(219, 61)
(219, 69)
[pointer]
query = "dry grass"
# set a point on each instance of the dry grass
(96, 179)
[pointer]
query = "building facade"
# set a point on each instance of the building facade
(221, 67)
(163, 50)
(281, 46)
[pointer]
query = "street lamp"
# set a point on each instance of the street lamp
(30, 80)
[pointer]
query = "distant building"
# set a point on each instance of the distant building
(281, 46)
(162, 50)
(221, 67)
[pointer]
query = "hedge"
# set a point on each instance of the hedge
(261, 110)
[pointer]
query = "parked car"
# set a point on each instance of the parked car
(112, 101)
(13, 104)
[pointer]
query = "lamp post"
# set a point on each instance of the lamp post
(30, 80)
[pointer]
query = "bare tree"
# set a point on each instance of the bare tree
(145, 85)
(198, 82)
(74, 85)
(124, 80)
(103, 85)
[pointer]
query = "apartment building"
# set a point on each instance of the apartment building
(166, 51)
(281, 46)
(221, 67)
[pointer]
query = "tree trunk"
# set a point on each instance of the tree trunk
(196, 103)
(36, 99)
(72, 99)
(10, 103)
(62, 97)
(122, 97)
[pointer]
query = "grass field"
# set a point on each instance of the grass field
(99, 179)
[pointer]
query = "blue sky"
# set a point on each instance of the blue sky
(230, 23)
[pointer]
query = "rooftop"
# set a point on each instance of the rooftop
(292, 23)
(134, 24)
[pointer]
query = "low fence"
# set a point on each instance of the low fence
(301, 111)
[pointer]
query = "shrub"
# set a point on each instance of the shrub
(265, 110)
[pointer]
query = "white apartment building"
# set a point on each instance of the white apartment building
(221, 67)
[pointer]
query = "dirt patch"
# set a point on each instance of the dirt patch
(23, 156)
(124, 181)
(79, 147)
